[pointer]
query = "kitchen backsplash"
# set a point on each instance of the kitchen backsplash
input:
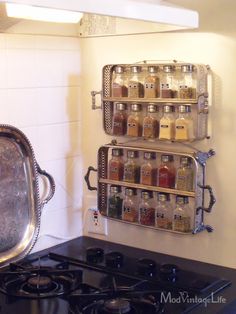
(40, 94)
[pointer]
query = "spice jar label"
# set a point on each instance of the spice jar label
(181, 223)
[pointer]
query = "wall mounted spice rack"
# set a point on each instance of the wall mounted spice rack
(155, 90)
(195, 196)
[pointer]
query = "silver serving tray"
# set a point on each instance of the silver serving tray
(20, 204)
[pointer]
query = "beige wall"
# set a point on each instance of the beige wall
(216, 48)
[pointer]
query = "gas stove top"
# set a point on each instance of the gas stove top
(100, 280)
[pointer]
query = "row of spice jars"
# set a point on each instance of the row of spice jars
(150, 209)
(147, 172)
(148, 124)
(167, 81)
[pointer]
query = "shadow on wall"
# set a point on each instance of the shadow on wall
(74, 136)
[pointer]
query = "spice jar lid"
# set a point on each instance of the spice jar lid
(146, 195)
(163, 197)
(168, 68)
(167, 158)
(149, 155)
(187, 68)
(169, 108)
(117, 152)
(184, 108)
(136, 107)
(152, 108)
(132, 154)
(185, 161)
(130, 192)
(120, 106)
(152, 69)
(136, 69)
(119, 69)
(115, 189)
(181, 199)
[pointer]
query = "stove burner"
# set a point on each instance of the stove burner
(36, 283)
(94, 255)
(114, 259)
(117, 306)
(39, 283)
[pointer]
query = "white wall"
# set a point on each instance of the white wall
(40, 94)
(218, 49)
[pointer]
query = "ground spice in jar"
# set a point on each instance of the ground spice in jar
(167, 82)
(115, 202)
(119, 121)
(185, 175)
(116, 165)
(134, 122)
(147, 209)
(135, 87)
(118, 84)
(166, 173)
(130, 209)
(164, 211)
(151, 123)
(152, 83)
(149, 169)
(184, 124)
(167, 123)
(182, 215)
(132, 167)
(187, 89)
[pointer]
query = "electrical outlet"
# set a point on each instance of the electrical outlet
(96, 222)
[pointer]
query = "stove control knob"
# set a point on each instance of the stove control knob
(146, 267)
(94, 255)
(114, 259)
(169, 271)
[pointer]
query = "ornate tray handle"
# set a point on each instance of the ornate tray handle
(52, 185)
(87, 179)
(212, 201)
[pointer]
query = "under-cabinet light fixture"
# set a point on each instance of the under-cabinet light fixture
(30, 12)
(157, 11)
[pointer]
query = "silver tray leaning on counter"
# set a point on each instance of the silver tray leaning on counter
(157, 188)
(20, 201)
(173, 91)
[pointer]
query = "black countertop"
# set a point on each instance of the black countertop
(223, 303)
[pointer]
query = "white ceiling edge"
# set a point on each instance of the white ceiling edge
(161, 11)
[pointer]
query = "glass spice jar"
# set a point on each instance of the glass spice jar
(147, 209)
(116, 165)
(166, 173)
(132, 167)
(185, 175)
(119, 89)
(151, 122)
(182, 215)
(135, 87)
(152, 83)
(134, 121)
(164, 211)
(130, 206)
(184, 124)
(187, 88)
(167, 123)
(149, 169)
(119, 121)
(115, 202)
(168, 82)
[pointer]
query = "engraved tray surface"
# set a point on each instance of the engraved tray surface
(20, 205)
